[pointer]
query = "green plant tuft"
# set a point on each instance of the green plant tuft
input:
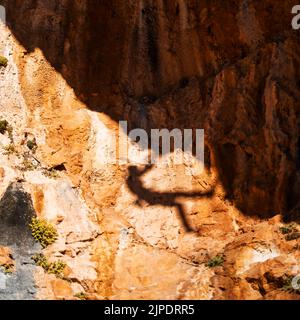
(10, 149)
(3, 126)
(28, 165)
(216, 261)
(288, 228)
(57, 268)
(51, 173)
(81, 296)
(3, 61)
(41, 261)
(43, 232)
(31, 145)
(8, 268)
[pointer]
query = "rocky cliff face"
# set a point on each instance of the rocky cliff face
(77, 68)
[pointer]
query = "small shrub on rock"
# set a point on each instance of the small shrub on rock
(57, 268)
(81, 296)
(51, 173)
(3, 61)
(216, 261)
(31, 145)
(3, 126)
(10, 149)
(288, 228)
(8, 268)
(43, 232)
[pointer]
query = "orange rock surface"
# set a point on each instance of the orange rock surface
(229, 67)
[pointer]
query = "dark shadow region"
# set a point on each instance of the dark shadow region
(16, 213)
(114, 55)
(166, 199)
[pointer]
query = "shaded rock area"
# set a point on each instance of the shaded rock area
(16, 212)
(174, 64)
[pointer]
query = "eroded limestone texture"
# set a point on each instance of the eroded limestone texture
(230, 67)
